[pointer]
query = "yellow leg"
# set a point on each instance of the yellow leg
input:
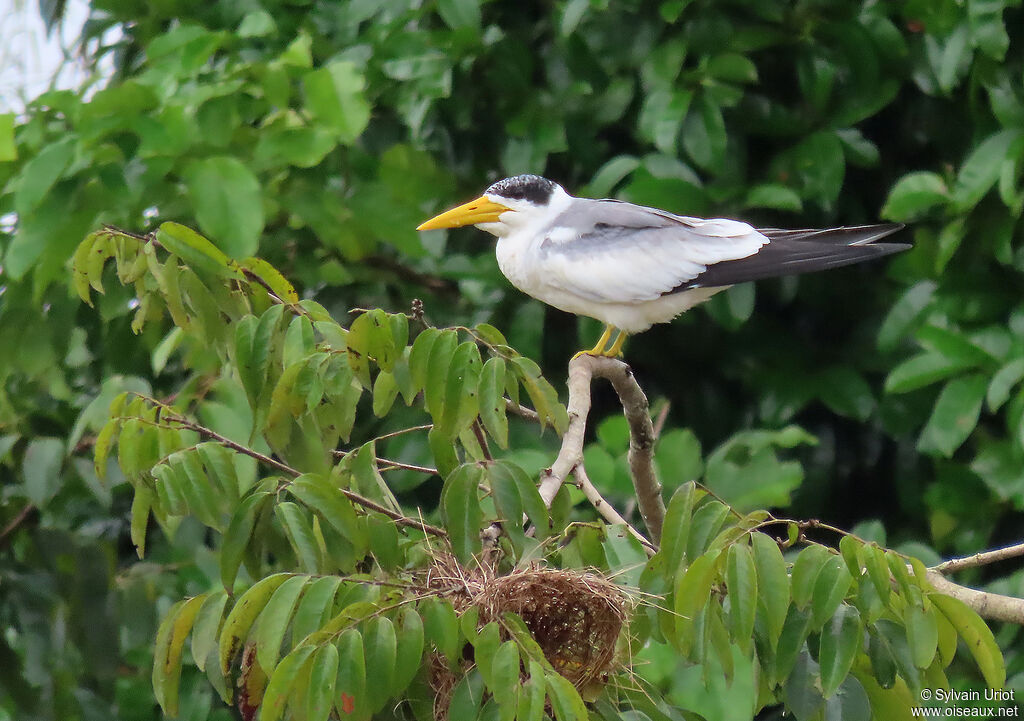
(598, 349)
(616, 349)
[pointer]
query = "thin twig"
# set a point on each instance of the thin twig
(659, 422)
(398, 518)
(521, 411)
(15, 524)
(606, 510)
(980, 559)
(393, 434)
(481, 438)
(386, 464)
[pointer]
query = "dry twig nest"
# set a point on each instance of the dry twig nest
(575, 616)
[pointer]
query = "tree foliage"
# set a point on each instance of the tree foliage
(316, 135)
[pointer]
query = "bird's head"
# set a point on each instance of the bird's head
(506, 206)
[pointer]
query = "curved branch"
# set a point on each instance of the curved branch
(582, 370)
(992, 606)
(980, 559)
(608, 511)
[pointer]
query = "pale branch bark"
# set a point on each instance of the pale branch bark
(582, 371)
(980, 559)
(991, 606)
(606, 510)
(522, 411)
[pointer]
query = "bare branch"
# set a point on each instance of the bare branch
(980, 559)
(16, 522)
(521, 411)
(992, 606)
(582, 370)
(606, 510)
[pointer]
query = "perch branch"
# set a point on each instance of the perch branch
(606, 510)
(582, 370)
(992, 606)
(980, 559)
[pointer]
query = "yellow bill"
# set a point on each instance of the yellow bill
(476, 211)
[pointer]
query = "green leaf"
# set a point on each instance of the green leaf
(170, 641)
(282, 682)
(320, 495)
(207, 627)
(385, 390)
(741, 584)
(492, 400)
(299, 531)
(976, 635)
(41, 172)
(1003, 382)
(905, 314)
(565, 700)
(504, 682)
(8, 149)
(460, 13)
(692, 592)
(380, 647)
(794, 634)
(841, 640)
(313, 609)
(435, 380)
(516, 493)
(922, 370)
(40, 469)
(323, 676)
(334, 95)
(228, 203)
(805, 571)
(352, 700)
(914, 195)
(461, 403)
(238, 534)
(462, 515)
(830, 587)
(675, 534)
(467, 697)
(772, 584)
(274, 619)
(954, 416)
(242, 616)
(980, 170)
(774, 196)
(409, 649)
(441, 627)
(922, 634)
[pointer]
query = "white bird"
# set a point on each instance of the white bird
(631, 266)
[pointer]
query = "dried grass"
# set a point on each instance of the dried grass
(575, 616)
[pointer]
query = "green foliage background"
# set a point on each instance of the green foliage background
(318, 134)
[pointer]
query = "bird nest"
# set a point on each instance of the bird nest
(574, 616)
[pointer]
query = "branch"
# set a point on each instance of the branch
(15, 524)
(980, 559)
(363, 501)
(992, 606)
(608, 511)
(582, 370)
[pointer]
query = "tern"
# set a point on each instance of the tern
(630, 266)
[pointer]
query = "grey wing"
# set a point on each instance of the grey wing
(613, 252)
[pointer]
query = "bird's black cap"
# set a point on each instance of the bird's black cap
(533, 188)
